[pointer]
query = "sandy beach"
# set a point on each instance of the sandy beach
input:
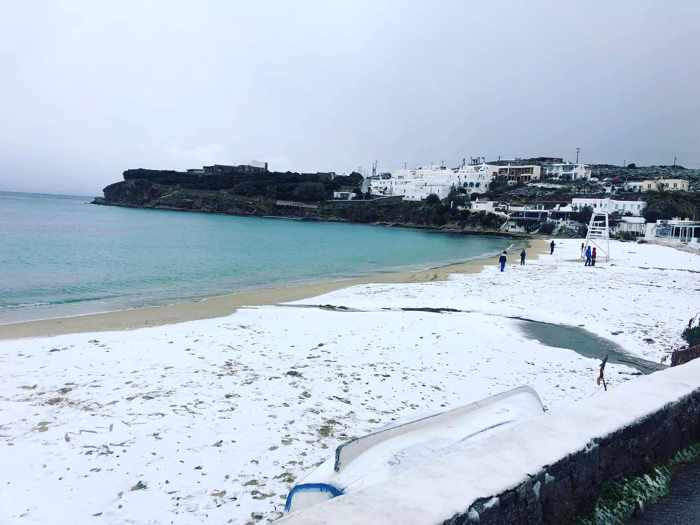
(214, 420)
(222, 305)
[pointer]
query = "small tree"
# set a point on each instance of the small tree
(547, 227)
(432, 200)
(455, 199)
(692, 332)
(584, 215)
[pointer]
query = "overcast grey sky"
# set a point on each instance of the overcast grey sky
(91, 88)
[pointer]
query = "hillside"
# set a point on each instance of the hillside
(295, 195)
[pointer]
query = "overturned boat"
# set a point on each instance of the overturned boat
(378, 456)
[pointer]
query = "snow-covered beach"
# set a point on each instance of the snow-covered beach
(212, 421)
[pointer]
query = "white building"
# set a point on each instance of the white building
(344, 195)
(609, 205)
(657, 185)
(675, 231)
(634, 225)
(567, 171)
(490, 206)
(476, 178)
(380, 184)
(417, 184)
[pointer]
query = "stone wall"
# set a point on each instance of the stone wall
(570, 487)
(680, 357)
(547, 470)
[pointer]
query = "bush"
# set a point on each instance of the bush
(583, 216)
(692, 332)
(247, 189)
(666, 205)
(310, 191)
(627, 236)
(432, 200)
(547, 228)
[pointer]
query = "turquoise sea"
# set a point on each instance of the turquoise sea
(60, 255)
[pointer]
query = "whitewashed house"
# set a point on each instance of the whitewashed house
(657, 185)
(343, 195)
(476, 178)
(417, 184)
(631, 225)
(609, 205)
(567, 171)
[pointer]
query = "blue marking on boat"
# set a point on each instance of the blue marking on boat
(318, 487)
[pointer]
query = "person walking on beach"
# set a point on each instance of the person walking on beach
(594, 254)
(588, 256)
(502, 260)
(522, 257)
(551, 247)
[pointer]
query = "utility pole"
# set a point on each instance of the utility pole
(578, 150)
(674, 161)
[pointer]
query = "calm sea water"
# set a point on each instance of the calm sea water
(60, 255)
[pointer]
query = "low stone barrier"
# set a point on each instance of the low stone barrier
(547, 470)
(295, 204)
(680, 357)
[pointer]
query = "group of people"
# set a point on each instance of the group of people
(589, 254)
(503, 259)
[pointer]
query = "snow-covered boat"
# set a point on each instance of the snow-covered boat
(378, 456)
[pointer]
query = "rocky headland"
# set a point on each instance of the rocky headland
(290, 195)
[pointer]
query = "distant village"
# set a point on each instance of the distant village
(525, 187)
(537, 195)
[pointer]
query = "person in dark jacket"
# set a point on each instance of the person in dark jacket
(551, 248)
(502, 261)
(594, 254)
(588, 256)
(523, 254)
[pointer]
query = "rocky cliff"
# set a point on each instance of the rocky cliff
(285, 195)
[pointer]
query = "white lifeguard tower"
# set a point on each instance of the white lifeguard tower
(598, 235)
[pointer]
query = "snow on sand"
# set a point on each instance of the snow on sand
(212, 421)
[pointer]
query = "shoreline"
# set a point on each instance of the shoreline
(406, 225)
(226, 304)
(219, 412)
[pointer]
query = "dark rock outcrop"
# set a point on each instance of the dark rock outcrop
(295, 195)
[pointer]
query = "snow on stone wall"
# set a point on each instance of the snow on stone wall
(545, 470)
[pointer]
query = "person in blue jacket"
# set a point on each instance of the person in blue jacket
(589, 256)
(502, 260)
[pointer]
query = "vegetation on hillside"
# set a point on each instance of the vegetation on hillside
(667, 205)
(305, 187)
(431, 212)
(691, 334)
(260, 195)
